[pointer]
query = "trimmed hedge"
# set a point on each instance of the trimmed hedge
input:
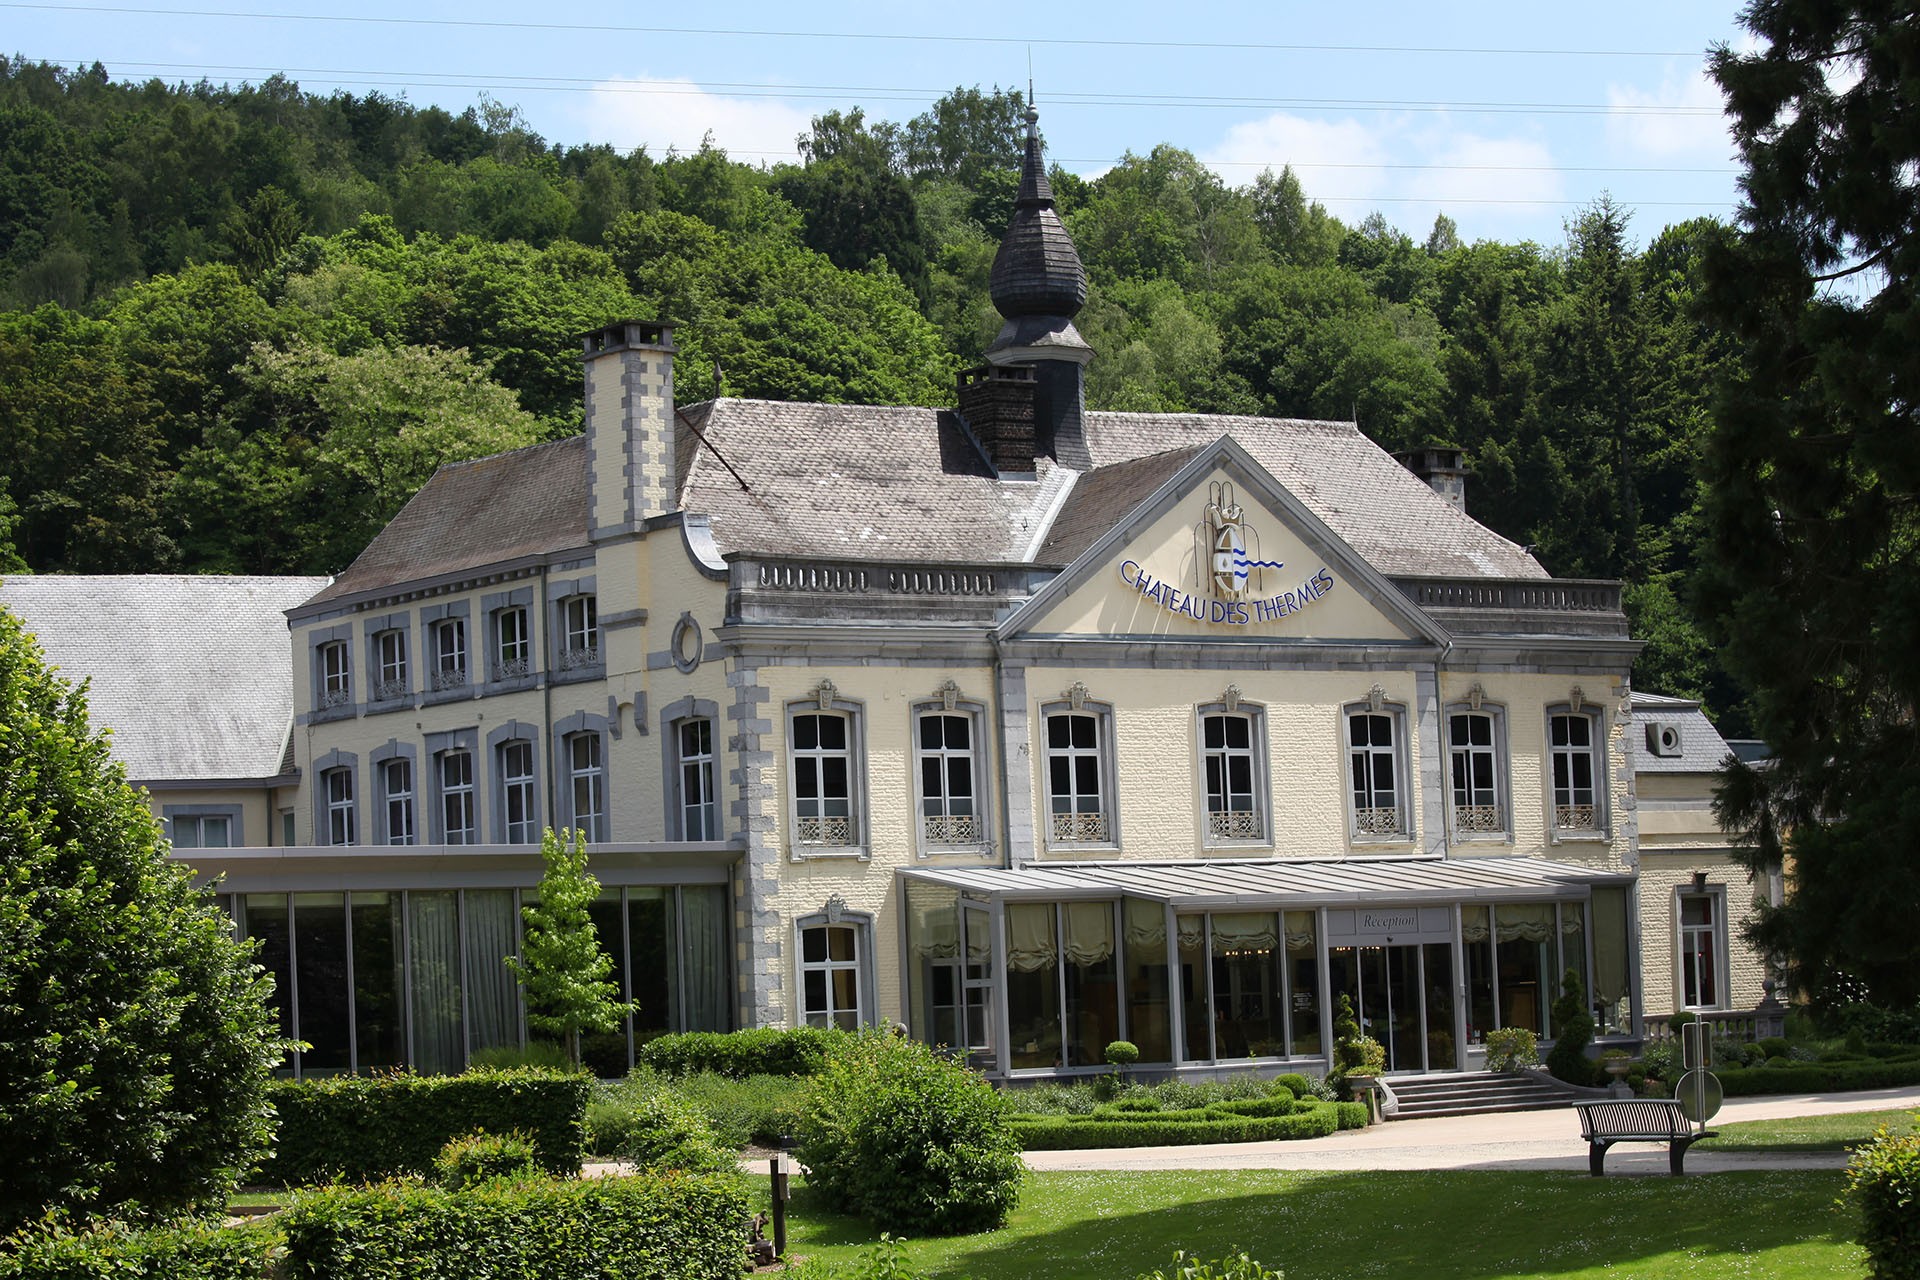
(1818, 1077)
(1247, 1121)
(762, 1051)
(361, 1128)
(673, 1226)
(115, 1251)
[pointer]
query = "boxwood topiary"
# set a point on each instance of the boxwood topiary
(1883, 1178)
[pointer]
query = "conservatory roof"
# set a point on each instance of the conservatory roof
(1277, 884)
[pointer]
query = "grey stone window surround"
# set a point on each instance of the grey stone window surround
(670, 717)
(430, 618)
(1502, 768)
(483, 666)
(564, 731)
(377, 825)
(1256, 716)
(372, 628)
(861, 923)
(856, 717)
(559, 592)
(317, 639)
(437, 745)
(1602, 817)
(976, 713)
(1717, 894)
(497, 740)
(1109, 774)
(236, 834)
(326, 764)
(1398, 712)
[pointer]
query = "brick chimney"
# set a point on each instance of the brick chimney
(630, 426)
(1444, 469)
(997, 401)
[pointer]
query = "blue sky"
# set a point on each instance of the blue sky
(1507, 117)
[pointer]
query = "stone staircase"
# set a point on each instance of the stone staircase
(1473, 1092)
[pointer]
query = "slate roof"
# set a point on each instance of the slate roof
(1701, 746)
(528, 502)
(1102, 494)
(193, 674)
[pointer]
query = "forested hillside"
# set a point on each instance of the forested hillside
(243, 324)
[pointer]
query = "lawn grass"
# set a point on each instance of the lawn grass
(1468, 1225)
(1838, 1132)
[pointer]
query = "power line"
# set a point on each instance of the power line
(774, 34)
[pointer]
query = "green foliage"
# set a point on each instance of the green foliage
(675, 1227)
(1812, 476)
(1123, 1053)
(909, 1139)
(1233, 1267)
(544, 1054)
(1572, 1033)
(135, 1042)
(1818, 1077)
(665, 1132)
(117, 1251)
(481, 1156)
(1295, 1083)
(568, 978)
(1353, 1054)
(760, 1051)
(1510, 1048)
(363, 1127)
(1883, 1179)
(1142, 1122)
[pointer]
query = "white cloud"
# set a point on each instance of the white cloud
(1680, 118)
(661, 114)
(1313, 148)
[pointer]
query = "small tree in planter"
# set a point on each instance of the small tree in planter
(569, 979)
(1572, 1033)
(1120, 1055)
(1354, 1055)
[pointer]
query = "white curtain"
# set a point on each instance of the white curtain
(1192, 930)
(705, 909)
(433, 966)
(1245, 931)
(1609, 945)
(1089, 932)
(492, 1010)
(1030, 942)
(1299, 930)
(933, 920)
(1146, 926)
(1531, 921)
(1473, 924)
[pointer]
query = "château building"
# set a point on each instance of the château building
(1026, 726)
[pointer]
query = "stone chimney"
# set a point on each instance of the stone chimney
(997, 402)
(1444, 469)
(630, 427)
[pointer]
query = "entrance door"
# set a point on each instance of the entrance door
(1387, 989)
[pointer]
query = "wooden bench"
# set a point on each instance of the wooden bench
(1611, 1120)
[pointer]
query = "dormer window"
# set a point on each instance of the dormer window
(580, 630)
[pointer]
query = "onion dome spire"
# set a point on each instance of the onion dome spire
(1037, 271)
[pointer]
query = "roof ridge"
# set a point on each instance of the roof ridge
(459, 463)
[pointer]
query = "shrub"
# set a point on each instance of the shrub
(135, 1040)
(1353, 1053)
(481, 1156)
(1662, 1061)
(1572, 1032)
(675, 1227)
(117, 1251)
(1251, 1120)
(1883, 1179)
(1775, 1046)
(1236, 1267)
(1510, 1048)
(1678, 1020)
(360, 1128)
(567, 975)
(538, 1053)
(763, 1109)
(1075, 1099)
(1294, 1083)
(763, 1051)
(668, 1132)
(1123, 1053)
(908, 1139)
(1817, 1077)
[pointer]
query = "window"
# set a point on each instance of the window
(1700, 984)
(1473, 756)
(512, 656)
(823, 778)
(1077, 769)
(580, 629)
(1231, 751)
(337, 793)
(1373, 762)
(450, 653)
(201, 830)
(456, 797)
(830, 976)
(390, 673)
(587, 777)
(518, 818)
(699, 819)
(950, 798)
(396, 784)
(1574, 744)
(336, 679)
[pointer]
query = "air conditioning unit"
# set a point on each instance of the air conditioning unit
(1663, 739)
